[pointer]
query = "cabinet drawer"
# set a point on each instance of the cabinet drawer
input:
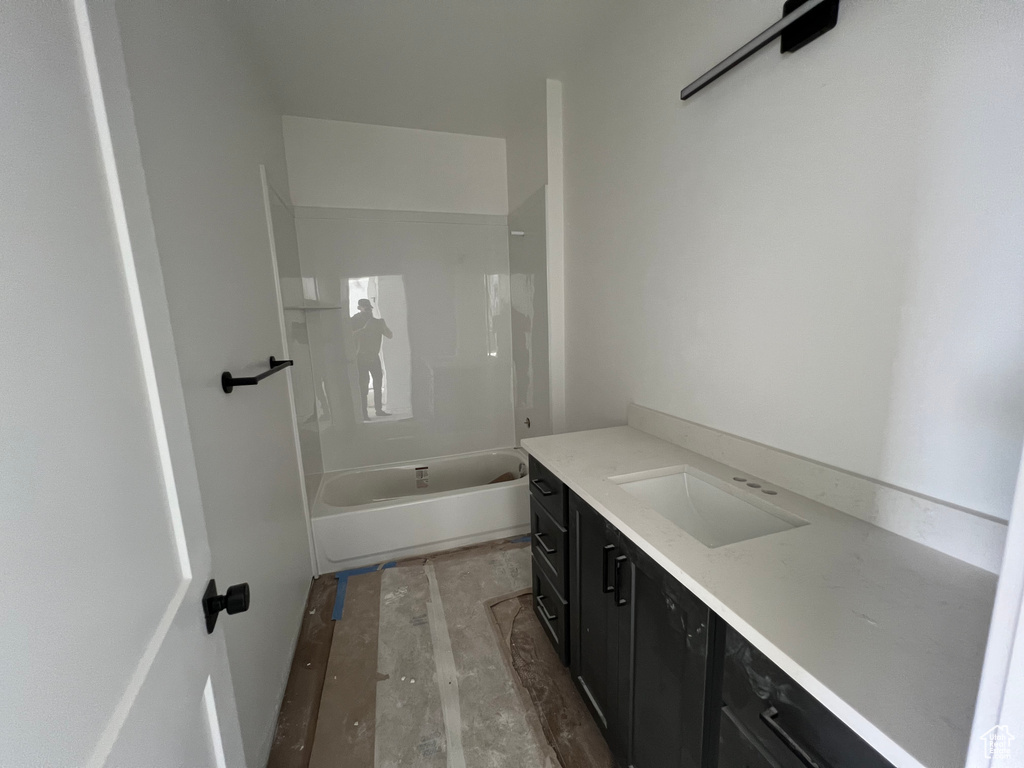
(548, 490)
(790, 724)
(550, 543)
(551, 609)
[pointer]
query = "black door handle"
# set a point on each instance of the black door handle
(608, 550)
(544, 610)
(235, 600)
(543, 487)
(619, 599)
(539, 538)
(768, 717)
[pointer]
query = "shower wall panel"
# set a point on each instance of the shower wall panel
(438, 329)
(528, 262)
(290, 275)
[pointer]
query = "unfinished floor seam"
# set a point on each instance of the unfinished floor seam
(446, 674)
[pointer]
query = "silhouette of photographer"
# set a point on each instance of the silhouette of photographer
(369, 332)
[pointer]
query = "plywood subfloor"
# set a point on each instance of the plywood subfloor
(563, 717)
(296, 722)
(439, 662)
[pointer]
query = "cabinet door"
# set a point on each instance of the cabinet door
(597, 642)
(738, 748)
(671, 641)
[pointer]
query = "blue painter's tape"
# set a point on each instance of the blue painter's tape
(342, 577)
(520, 540)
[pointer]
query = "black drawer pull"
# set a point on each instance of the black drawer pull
(544, 609)
(619, 599)
(608, 550)
(542, 486)
(768, 718)
(539, 538)
(747, 736)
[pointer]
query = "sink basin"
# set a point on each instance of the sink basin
(712, 510)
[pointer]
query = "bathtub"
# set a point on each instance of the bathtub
(376, 514)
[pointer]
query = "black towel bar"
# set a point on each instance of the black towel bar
(229, 382)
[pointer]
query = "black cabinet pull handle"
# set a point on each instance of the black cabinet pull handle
(619, 599)
(751, 739)
(544, 609)
(539, 538)
(768, 717)
(542, 486)
(608, 550)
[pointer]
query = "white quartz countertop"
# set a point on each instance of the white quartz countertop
(885, 632)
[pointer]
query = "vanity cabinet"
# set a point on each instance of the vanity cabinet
(738, 748)
(674, 636)
(668, 682)
(548, 491)
(641, 648)
(768, 719)
(549, 540)
(602, 616)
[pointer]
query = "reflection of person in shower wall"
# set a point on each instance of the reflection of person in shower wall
(369, 332)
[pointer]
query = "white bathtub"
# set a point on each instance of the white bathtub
(371, 515)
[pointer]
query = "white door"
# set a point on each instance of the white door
(104, 655)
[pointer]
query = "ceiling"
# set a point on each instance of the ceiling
(464, 66)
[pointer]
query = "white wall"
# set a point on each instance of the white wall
(555, 217)
(350, 165)
(526, 145)
(204, 126)
(823, 251)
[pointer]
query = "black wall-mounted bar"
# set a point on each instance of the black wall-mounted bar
(229, 382)
(802, 22)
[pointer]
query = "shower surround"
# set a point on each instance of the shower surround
(440, 284)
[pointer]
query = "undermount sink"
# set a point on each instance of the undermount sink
(712, 510)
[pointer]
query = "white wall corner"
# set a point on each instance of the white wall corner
(1001, 691)
(555, 214)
